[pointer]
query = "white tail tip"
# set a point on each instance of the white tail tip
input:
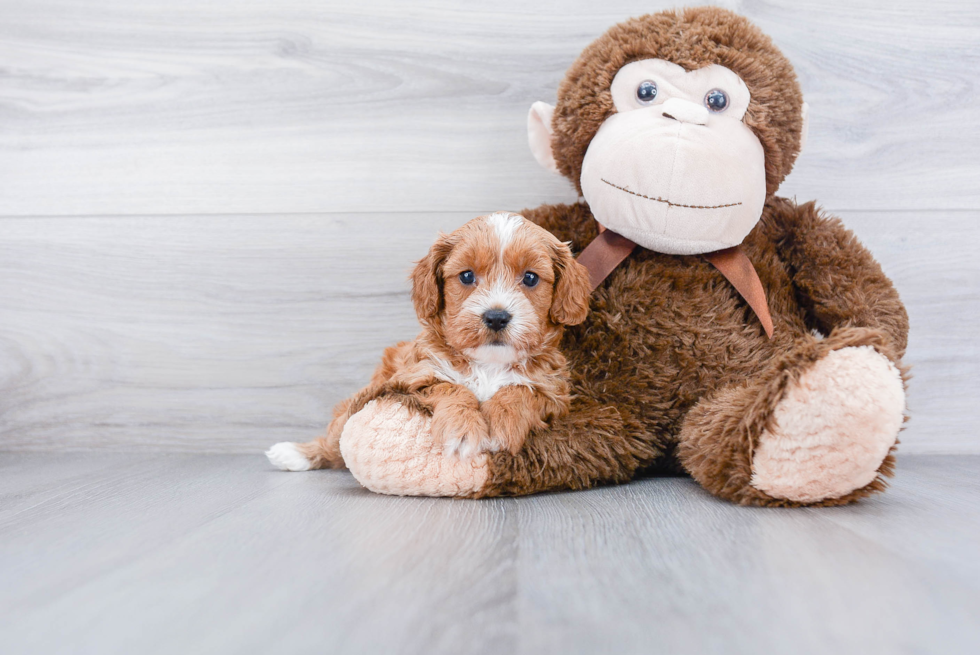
(286, 456)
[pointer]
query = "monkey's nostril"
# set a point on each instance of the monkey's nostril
(496, 319)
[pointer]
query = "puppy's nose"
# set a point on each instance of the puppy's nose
(496, 319)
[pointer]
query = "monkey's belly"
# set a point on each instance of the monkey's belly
(665, 332)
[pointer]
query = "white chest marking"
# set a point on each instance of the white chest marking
(484, 380)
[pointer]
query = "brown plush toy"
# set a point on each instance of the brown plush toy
(678, 128)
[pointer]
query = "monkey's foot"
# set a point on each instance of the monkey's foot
(390, 450)
(832, 429)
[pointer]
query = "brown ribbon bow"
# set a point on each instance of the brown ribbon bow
(608, 250)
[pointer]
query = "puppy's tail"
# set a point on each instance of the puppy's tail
(321, 453)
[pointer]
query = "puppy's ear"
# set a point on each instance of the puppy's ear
(570, 304)
(427, 278)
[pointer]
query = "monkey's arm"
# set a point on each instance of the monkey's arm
(837, 280)
(573, 223)
(588, 446)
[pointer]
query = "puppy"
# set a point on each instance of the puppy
(492, 298)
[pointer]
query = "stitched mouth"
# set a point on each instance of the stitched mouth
(665, 201)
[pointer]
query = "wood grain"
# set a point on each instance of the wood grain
(227, 334)
(121, 553)
(112, 107)
(681, 572)
(248, 328)
(208, 209)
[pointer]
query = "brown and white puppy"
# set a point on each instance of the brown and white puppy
(492, 297)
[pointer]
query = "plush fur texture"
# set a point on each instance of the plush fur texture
(485, 386)
(671, 370)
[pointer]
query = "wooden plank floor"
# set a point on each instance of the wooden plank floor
(139, 553)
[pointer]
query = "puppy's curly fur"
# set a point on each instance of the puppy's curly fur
(492, 298)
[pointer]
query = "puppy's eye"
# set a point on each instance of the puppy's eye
(467, 278)
(530, 279)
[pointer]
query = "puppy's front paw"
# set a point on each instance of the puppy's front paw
(510, 423)
(507, 435)
(462, 432)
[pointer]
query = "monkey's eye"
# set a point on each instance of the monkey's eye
(646, 92)
(530, 279)
(467, 278)
(716, 100)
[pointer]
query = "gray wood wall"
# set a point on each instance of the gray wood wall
(208, 209)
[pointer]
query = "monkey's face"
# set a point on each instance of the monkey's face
(675, 169)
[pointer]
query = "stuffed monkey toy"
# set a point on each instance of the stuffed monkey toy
(734, 335)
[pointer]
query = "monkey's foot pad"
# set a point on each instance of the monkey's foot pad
(832, 429)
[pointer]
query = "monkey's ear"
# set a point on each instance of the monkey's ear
(539, 134)
(570, 303)
(427, 279)
(805, 112)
